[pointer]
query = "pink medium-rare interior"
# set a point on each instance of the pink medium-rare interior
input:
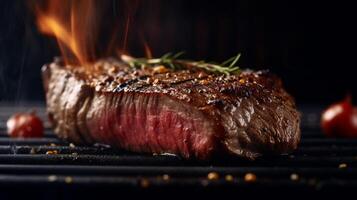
(150, 123)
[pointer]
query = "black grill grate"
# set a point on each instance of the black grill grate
(320, 164)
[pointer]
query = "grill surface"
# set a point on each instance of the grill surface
(319, 165)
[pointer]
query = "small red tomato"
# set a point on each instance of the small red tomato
(24, 125)
(340, 120)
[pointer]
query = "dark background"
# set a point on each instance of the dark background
(310, 45)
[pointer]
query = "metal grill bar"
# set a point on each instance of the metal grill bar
(319, 163)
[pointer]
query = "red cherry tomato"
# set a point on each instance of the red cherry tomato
(25, 125)
(340, 120)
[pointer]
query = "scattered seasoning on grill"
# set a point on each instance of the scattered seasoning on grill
(165, 177)
(52, 144)
(68, 179)
(229, 178)
(52, 178)
(250, 177)
(52, 152)
(342, 165)
(74, 154)
(294, 177)
(212, 176)
(145, 183)
(33, 151)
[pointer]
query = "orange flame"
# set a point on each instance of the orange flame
(73, 24)
(76, 26)
(51, 26)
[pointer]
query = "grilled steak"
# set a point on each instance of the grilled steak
(189, 112)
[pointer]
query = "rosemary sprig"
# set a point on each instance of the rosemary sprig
(171, 61)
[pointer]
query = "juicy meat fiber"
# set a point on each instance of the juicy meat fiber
(189, 112)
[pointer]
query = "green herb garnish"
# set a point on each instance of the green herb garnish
(171, 61)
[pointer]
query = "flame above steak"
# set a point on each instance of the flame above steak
(77, 26)
(71, 22)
